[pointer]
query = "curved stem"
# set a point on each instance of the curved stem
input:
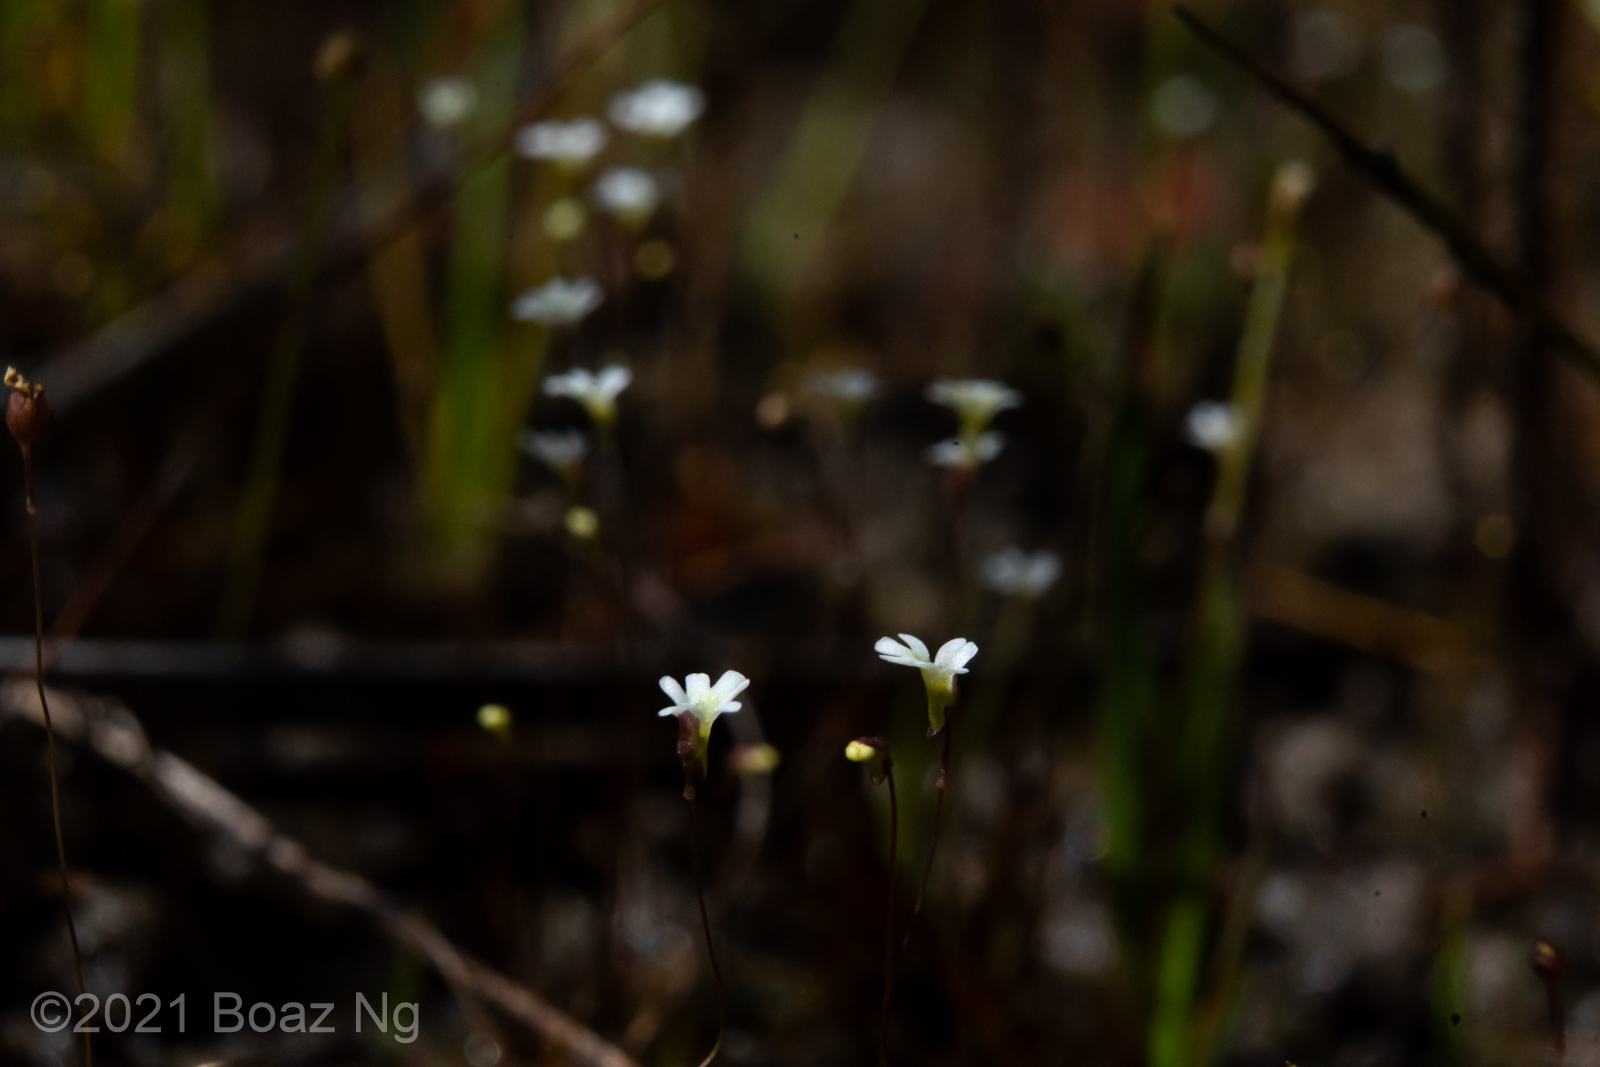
(705, 922)
(888, 928)
(50, 732)
(938, 814)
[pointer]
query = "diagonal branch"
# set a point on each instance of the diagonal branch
(112, 731)
(1380, 167)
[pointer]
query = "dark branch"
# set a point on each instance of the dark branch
(1379, 166)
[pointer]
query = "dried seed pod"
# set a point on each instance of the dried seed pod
(27, 410)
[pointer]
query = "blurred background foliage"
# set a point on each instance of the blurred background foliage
(1280, 743)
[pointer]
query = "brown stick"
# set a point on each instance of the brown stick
(114, 733)
(1383, 171)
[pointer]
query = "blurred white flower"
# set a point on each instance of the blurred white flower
(938, 671)
(596, 392)
(629, 193)
(1182, 106)
(558, 302)
(1213, 425)
(560, 450)
(961, 452)
(570, 145)
(1013, 572)
(702, 699)
(1323, 45)
(1413, 59)
(975, 400)
(852, 386)
(447, 102)
(658, 108)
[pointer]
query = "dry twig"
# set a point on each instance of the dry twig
(112, 731)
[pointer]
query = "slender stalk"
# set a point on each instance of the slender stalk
(938, 815)
(705, 923)
(888, 926)
(277, 399)
(50, 734)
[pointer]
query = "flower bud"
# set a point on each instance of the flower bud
(496, 718)
(874, 752)
(27, 410)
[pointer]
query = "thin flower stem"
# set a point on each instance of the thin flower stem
(705, 923)
(938, 814)
(888, 928)
(50, 734)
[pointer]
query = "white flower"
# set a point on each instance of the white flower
(561, 451)
(1013, 572)
(962, 452)
(1213, 425)
(938, 671)
(702, 699)
(558, 302)
(567, 144)
(975, 400)
(853, 386)
(596, 392)
(628, 193)
(447, 102)
(658, 108)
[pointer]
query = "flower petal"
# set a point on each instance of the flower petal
(918, 649)
(676, 709)
(670, 686)
(954, 654)
(888, 646)
(613, 379)
(698, 685)
(730, 685)
(734, 706)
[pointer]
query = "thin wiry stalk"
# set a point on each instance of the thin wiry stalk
(705, 923)
(50, 734)
(888, 926)
(938, 814)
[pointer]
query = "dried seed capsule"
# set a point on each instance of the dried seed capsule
(27, 410)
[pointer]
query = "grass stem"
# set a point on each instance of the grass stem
(705, 923)
(50, 735)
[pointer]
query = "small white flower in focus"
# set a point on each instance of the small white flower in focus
(658, 108)
(1013, 572)
(596, 392)
(558, 302)
(560, 450)
(962, 452)
(852, 386)
(1213, 425)
(447, 102)
(938, 670)
(629, 193)
(570, 145)
(702, 699)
